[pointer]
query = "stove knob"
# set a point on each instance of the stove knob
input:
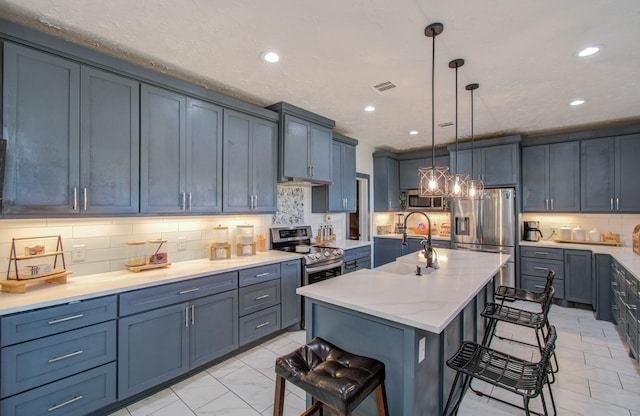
(327, 253)
(317, 256)
(336, 252)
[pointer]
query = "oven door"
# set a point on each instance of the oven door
(314, 274)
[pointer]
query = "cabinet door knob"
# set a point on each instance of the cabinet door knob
(75, 198)
(84, 191)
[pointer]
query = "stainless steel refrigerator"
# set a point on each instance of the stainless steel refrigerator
(487, 224)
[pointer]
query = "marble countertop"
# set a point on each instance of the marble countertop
(348, 244)
(40, 295)
(624, 255)
(429, 302)
(409, 235)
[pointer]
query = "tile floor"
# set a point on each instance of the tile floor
(597, 377)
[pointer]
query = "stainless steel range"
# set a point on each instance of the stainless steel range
(319, 263)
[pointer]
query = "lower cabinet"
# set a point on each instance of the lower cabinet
(386, 250)
(625, 302)
(357, 258)
(290, 301)
(578, 277)
(156, 346)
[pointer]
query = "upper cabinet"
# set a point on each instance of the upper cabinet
(609, 172)
(551, 177)
(495, 161)
(386, 194)
(181, 155)
(408, 170)
(67, 126)
(340, 195)
(305, 145)
(250, 160)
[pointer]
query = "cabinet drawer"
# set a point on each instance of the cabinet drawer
(259, 274)
(542, 252)
(169, 294)
(259, 324)
(357, 253)
(537, 284)
(39, 323)
(257, 297)
(441, 243)
(535, 267)
(77, 395)
(34, 363)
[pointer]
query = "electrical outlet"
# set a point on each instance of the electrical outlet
(78, 254)
(182, 243)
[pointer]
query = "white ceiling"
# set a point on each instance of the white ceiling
(522, 53)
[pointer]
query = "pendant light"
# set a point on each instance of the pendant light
(458, 182)
(476, 186)
(433, 179)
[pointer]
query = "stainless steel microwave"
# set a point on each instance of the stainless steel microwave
(425, 203)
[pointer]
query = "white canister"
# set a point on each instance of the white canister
(579, 234)
(595, 235)
(565, 233)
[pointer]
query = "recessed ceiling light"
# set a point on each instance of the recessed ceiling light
(589, 51)
(576, 102)
(369, 108)
(271, 57)
(413, 132)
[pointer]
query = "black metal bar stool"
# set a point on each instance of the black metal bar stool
(337, 380)
(522, 377)
(512, 294)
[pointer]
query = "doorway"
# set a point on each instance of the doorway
(358, 221)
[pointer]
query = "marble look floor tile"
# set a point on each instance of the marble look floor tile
(226, 367)
(228, 405)
(569, 401)
(199, 390)
(177, 408)
(576, 384)
(251, 386)
(121, 412)
(624, 366)
(630, 383)
(293, 406)
(148, 405)
(259, 358)
(618, 397)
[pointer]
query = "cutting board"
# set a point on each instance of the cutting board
(599, 243)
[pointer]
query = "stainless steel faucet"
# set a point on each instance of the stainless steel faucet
(428, 250)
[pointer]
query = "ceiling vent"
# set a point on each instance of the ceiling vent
(384, 86)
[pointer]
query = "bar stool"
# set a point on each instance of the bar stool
(522, 377)
(512, 294)
(337, 380)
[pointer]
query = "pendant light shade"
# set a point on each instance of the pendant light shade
(476, 186)
(433, 179)
(458, 182)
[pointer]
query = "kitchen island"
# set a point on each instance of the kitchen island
(411, 323)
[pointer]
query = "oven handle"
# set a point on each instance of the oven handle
(324, 267)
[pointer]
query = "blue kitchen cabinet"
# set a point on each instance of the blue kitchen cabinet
(551, 177)
(386, 195)
(67, 127)
(608, 173)
(356, 259)
(250, 164)
(291, 302)
(340, 195)
(181, 148)
(496, 163)
(578, 279)
(386, 250)
(408, 170)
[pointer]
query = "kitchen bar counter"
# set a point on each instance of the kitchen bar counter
(409, 235)
(40, 295)
(429, 302)
(410, 323)
(349, 244)
(624, 255)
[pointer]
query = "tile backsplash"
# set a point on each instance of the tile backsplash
(622, 224)
(105, 239)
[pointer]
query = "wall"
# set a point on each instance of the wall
(622, 224)
(105, 238)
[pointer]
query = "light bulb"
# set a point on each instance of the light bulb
(456, 188)
(432, 184)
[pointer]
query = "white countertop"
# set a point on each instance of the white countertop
(429, 302)
(624, 255)
(348, 244)
(409, 235)
(39, 294)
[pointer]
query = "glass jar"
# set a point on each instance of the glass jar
(244, 234)
(220, 235)
(136, 253)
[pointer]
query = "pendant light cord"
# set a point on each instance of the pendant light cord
(456, 171)
(433, 102)
(472, 148)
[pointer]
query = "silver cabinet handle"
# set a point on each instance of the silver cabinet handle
(58, 406)
(262, 324)
(190, 201)
(538, 286)
(262, 274)
(261, 297)
(541, 268)
(546, 203)
(552, 205)
(617, 204)
(65, 319)
(313, 168)
(611, 204)
(193, 314)
(75, 198)
(63, 357)
(84, 197)
(186, 317)
(255, 202)
(195, 289)
(541, 253)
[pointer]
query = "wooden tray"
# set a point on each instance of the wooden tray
(20, 286)
(149, 266)
(600, 243)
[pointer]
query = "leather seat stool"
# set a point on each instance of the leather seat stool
(337, 380)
